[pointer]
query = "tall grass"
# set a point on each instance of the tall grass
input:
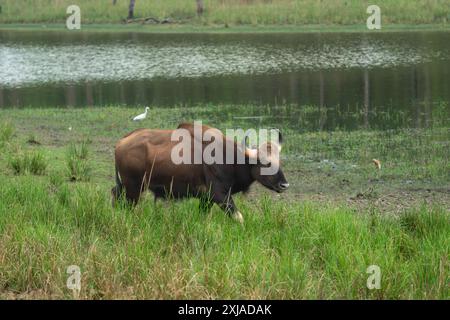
(172, 250)
(33, 162)
(6, 133)
(78, 166)
(255, 12)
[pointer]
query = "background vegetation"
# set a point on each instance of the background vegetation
(231, 12)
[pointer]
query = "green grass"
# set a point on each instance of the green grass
(314, 241)
(232, 12)
(28, 163)
(6, 133)
(295, 251)
(78, 166)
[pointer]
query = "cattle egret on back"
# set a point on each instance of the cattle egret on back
(142, 116)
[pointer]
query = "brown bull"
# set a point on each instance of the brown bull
(144, 160)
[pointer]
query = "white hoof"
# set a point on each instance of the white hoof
(238, 217)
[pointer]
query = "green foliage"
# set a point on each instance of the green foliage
(32, 139)
(38, 163)
(77, 163)
(172, 250)
(230, 12)
(59, 188)
(33, 162)
(6, 133)
(422, 225)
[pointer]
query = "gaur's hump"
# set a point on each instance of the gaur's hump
(185, 125)
(133, 132)
(190, 127)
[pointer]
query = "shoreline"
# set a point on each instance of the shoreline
(221, 29)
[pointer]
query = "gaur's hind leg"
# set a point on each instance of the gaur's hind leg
(133, 194)
(132, 189)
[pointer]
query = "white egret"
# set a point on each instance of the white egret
(142, 116)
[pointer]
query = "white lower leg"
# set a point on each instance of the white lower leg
(238, 217)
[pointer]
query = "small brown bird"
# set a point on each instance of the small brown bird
(377, 163)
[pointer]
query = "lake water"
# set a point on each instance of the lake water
(402, 75)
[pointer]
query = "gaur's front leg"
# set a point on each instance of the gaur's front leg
(225, 201)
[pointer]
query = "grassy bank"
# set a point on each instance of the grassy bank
(340, 215)
(231, 12)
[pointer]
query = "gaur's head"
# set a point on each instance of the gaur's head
(266, 165)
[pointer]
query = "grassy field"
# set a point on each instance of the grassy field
(231, 12)
(340, 216)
